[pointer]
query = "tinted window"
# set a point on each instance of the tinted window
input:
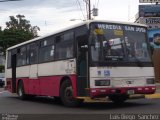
(81, 31)
(64, 45)
(46, 53)
(48, 41)
(21, 56)
(33, 55)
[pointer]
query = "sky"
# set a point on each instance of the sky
(51, 15)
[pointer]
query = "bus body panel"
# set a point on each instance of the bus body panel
(45, 75)
(50, 86)
(23, 72)
(64, 67)
(135, 79)
(43, 86)
(122, 71)
(8, 74)
(44, 79)
(33, 71)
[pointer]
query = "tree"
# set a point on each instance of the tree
(2, 68)
(17, 30)
(20, 23)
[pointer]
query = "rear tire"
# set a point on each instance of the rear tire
(66, 94)
(118, 99)
(30, 97)
(21, 92)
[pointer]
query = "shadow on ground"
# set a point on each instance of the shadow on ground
(93, 106)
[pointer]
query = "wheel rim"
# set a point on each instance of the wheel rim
(68, 93)
(20, 92)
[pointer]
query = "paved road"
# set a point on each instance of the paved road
(1, 89)
(11, 104)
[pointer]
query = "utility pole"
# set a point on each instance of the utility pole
(94, 11)
(89, 10)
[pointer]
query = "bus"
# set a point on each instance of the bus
(93, 59)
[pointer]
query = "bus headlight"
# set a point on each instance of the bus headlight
(102, 82)
(150, 80)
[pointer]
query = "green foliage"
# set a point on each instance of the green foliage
(2, 68)
(17, 30)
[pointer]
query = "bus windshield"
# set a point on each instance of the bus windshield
(117, 42)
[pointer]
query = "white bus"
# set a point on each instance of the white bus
(94, 59)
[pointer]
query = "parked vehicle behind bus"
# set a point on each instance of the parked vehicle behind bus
(94, 59)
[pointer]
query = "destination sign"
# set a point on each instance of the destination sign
(121, 27)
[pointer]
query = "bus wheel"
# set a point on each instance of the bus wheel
(20, 91)
(66, 94)
(118, 99)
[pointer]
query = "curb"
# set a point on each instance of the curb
(136, 96)
(152, 96)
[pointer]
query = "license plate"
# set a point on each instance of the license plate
(130, 92)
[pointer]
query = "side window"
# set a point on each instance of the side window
(33, 54)
(81, 37)
(81, 32)
(64, 45)
(21, 56)
(28, 55)
(46, 50)
(9, 59)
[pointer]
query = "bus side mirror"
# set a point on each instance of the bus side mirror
(84, 48)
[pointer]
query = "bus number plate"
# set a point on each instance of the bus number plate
(130, 92)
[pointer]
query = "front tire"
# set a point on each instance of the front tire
(21, 92)
(66, 94)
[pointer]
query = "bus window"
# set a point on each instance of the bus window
(64, 46)
(21, 56)
(47, 41)
(46, 53)
(33, 53)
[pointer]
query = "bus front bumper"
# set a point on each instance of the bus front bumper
(102, 92)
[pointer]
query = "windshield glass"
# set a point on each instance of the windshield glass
(115, 42)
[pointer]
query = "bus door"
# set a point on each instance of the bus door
(13, 63)
(82, 67)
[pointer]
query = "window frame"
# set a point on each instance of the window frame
(18, 55)
(46, 46)
(72, 41)
(37, 50)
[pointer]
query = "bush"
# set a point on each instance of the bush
(2, 67)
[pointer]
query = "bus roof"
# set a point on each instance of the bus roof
(74, 26)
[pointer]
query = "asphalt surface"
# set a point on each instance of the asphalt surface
(46, 108)
(41, 105)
